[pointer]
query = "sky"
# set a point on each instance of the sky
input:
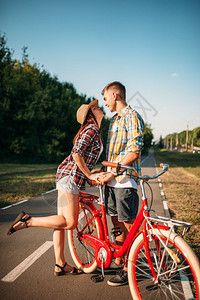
(152, 47)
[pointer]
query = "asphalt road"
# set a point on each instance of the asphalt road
(27, 257)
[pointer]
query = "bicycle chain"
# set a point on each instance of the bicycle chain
(85, 247)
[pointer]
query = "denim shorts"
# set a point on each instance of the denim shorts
(121, 202)
(68, 185)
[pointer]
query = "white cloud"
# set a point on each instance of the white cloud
(174, 74)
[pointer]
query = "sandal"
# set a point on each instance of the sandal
(63, 272)
(18, 219)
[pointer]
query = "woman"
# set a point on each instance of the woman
(71, 176)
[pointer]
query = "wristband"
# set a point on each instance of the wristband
(115, 174)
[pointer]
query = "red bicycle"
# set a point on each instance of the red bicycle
(160, 263)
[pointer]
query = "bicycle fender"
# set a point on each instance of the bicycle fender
(129, 247)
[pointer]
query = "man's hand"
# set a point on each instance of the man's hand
(105, 177)
(95, 176)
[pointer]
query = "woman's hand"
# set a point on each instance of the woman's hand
(96, 176)
(105, 177)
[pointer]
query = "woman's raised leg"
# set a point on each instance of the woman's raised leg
(66, 219)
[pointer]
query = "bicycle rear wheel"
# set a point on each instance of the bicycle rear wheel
(83, 255)
(180, 282)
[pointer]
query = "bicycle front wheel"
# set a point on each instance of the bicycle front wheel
(176, 267)
(82, 254)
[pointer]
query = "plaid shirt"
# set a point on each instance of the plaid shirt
(126, 137)
(88, 144)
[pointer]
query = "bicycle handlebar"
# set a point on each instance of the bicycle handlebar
(118, 166)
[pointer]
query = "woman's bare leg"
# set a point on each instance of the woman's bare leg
(58, 242)
(67, 214)
(67, 218)
(67, 206)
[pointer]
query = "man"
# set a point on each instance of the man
(124, 144)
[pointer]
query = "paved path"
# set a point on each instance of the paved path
(27, 257)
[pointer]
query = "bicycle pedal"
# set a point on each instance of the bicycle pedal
(116, 231)
(97, 278)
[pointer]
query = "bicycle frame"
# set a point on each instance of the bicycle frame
(143, 217)
(158, 260)
(103, 240)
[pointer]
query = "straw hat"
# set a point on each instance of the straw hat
(83, 110)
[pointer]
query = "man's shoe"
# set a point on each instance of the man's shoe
(120, 279)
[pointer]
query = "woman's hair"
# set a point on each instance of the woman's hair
(90, 119)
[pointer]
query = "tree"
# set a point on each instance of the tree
(196, 137)
(6, 67)
(37, 112)
(160, 143)
(148, 137)
(193, 137)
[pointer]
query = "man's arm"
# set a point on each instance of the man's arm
(129, 158)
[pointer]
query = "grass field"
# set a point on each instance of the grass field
(22, 181)
(181, 186)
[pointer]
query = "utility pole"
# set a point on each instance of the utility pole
(192, 145)
(186, 144)
(177, 141)
(171, 143)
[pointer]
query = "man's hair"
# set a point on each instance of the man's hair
(118, 87)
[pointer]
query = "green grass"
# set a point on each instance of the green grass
(179, 159)
(22, 181)
(181, 186)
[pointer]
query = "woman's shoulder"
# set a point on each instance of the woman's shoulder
(91, 131)
(91, 127)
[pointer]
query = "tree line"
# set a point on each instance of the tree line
(37, 112)
(189, 137)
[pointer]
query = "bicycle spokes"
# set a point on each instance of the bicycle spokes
(175, 273)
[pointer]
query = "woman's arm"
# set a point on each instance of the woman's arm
(83, 167)
(81, 164)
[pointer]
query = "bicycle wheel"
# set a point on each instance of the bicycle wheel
(83, 255)
(175, 282)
